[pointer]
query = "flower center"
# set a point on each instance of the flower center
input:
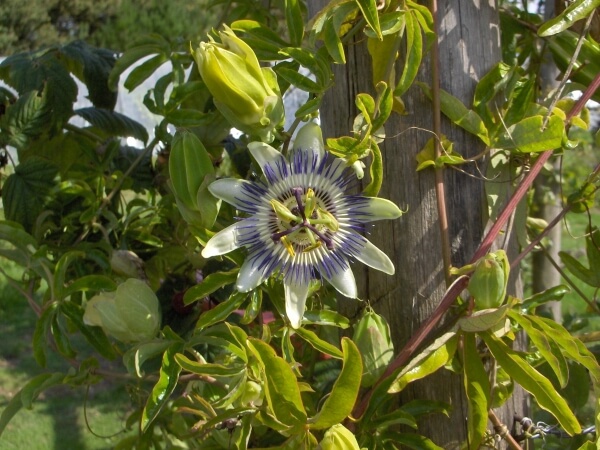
(303, 220)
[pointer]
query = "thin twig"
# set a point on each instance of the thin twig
(437, 130)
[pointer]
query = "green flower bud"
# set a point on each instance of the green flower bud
(372, 337)
(130, 314)
(245, 93)
(338, 437)
(253, 394)
(489, 280)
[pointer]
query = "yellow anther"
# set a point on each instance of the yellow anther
(310, 202)
(282, 212)
(312, 247)
(288, 246)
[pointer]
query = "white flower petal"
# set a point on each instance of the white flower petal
(265, 154)
(310, 137)
(250, 276)
(376, 208)
(234, 191)
(223, 242)
(295, 301)
(344, 282)
(375, 258)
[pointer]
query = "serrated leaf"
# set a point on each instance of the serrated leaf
(341, 400)
(576, 10)
(533, 382)
(27, 119)
(281, 386)
(162, 390)
(113, 123)
(427, 362)
(25, 192)
(477, 389)
(92, 66)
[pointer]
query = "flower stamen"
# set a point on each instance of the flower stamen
(288, 246)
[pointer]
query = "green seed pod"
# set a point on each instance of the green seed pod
(338, 437)
(127, 264)
(372, 337)
(489, 280)
(130, 314)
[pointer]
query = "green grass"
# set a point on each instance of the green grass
(57, 419)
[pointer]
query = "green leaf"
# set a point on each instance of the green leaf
(547, 347)
(25, 192)
(427, 362)
(376, 172)
(333, 43)
(162, 390)
(573, 347)
(199, 368)
(94, 335)
(144, 71)
(27, 119)
(410, 440)
(210, 284)
(483, 320)
(294, 21)
(414, 55)
(319, 344)
(458, 113)
(397, 417)
(574, 266)
(135, 357)
(221, 311)
(92, 66)
(491, 84)
(527, 135)
(533, 382)
(191, 171)
(188, 118)
(555, 293)
(146, 46)
(60, 272)
(371, 15)
(297, 79)
(577, 10)
(113, 123)
(341, 400)
(87, 283)
(477, 388)
(325, 317)
(281, 386)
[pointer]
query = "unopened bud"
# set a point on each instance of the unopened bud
(338, 437)
(489, 280)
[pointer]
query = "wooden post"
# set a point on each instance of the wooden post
(469, 45)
